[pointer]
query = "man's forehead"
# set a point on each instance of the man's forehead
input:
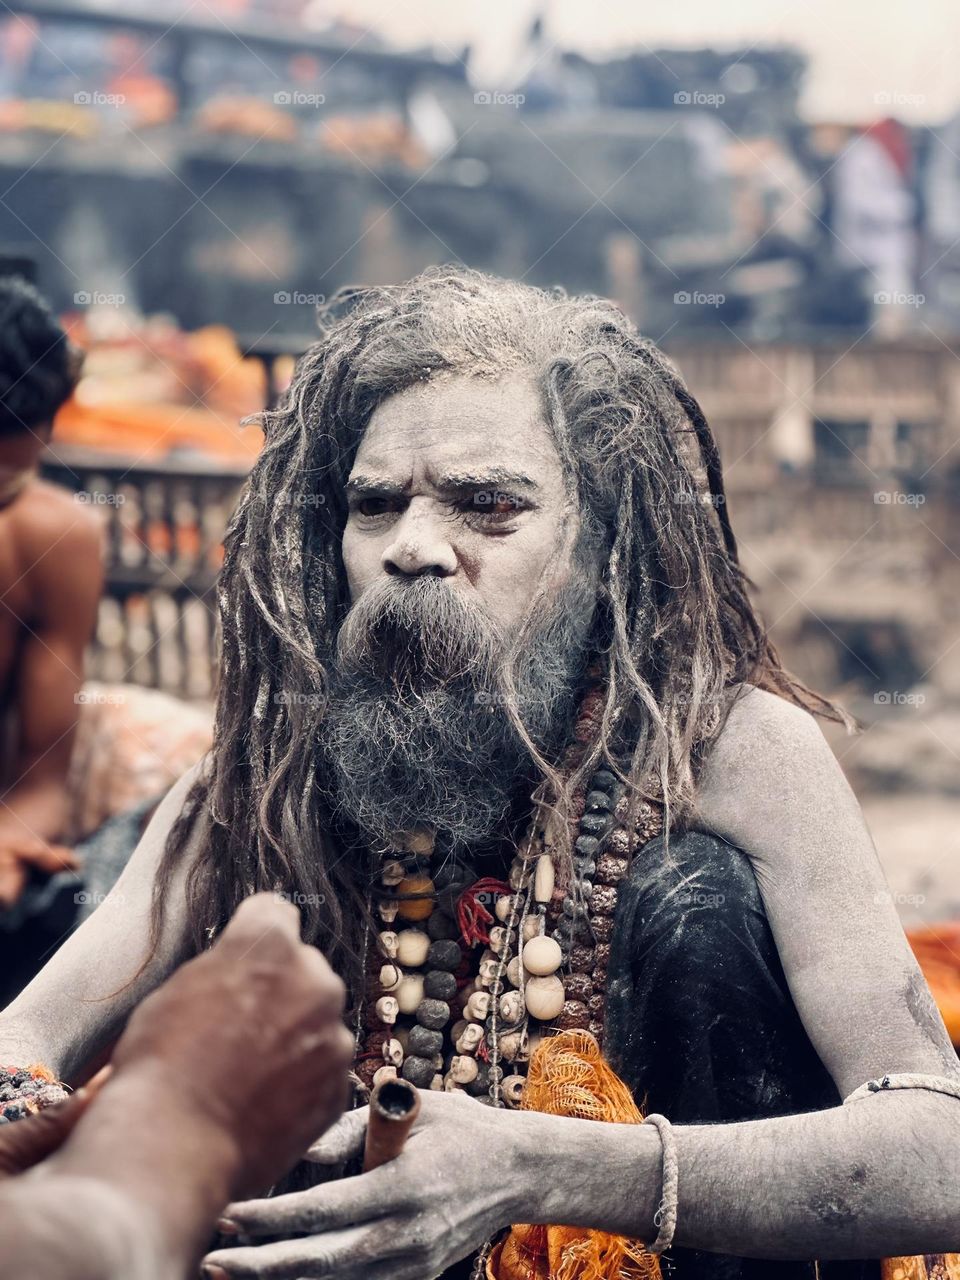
(461, 426)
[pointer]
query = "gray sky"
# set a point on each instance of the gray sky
(858, 48)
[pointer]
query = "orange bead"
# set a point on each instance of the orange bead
(415, 908)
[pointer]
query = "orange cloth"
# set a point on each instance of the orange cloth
(132, 743)
(936, 1266)
(937, 948)
(568, 1077)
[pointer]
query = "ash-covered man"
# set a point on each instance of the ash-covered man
(485, 645)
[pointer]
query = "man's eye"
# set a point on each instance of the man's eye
(375, 506)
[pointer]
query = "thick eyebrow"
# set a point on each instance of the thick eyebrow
(361, 485)
(495, 478)
(452, 482)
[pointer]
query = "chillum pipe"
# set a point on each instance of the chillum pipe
(394, 1105)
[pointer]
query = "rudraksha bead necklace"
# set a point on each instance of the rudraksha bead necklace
(444, 1016)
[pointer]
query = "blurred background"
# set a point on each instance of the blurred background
(772, 192)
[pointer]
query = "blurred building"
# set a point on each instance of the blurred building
(265, 154)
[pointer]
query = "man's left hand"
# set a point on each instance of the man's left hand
(459, 1179)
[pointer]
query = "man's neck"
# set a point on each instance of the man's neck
(15, 483)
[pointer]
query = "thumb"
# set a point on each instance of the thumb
(342, 1140)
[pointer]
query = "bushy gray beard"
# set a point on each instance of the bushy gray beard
(416, 730)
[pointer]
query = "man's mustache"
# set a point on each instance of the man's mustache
(417, 627)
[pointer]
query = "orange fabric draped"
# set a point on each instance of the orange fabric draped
(568, 1076)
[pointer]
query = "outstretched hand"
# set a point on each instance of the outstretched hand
(459, 1179)
(247, 1041)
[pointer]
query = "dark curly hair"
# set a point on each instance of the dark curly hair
(38, 365)
(676, 631)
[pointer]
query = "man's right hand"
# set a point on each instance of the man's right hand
(249, 1037)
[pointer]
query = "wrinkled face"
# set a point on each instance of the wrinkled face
(459, 478)
(457, 518)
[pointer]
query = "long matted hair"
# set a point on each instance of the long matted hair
(675, 629)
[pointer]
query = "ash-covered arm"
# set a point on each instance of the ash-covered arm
(77, 1005)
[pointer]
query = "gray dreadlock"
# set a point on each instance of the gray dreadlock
(676, 631)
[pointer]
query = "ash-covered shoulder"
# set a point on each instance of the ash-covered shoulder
(760, 721)
(768, 754)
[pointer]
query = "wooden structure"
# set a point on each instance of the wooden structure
(164, 527)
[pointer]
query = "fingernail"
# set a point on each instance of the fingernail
(210, 1272)
(227, 1227)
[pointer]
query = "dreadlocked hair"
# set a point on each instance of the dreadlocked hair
(675, 632)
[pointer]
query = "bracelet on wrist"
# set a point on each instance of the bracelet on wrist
(26, 1090)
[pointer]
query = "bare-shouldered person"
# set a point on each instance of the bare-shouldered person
(50, 585)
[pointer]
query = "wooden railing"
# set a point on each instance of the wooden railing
(164, 530)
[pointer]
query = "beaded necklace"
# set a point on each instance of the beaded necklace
(443, 1017)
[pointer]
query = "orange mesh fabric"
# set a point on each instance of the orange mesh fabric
(932, 1266)
(568, 1077)
(41, 1072)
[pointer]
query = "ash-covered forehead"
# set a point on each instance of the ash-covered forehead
(456, 431)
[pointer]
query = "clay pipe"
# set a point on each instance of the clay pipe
(394, 1105)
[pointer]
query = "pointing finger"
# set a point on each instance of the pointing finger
(339, 1253)
(327, 1208)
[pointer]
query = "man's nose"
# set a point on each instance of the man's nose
(421, 544)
